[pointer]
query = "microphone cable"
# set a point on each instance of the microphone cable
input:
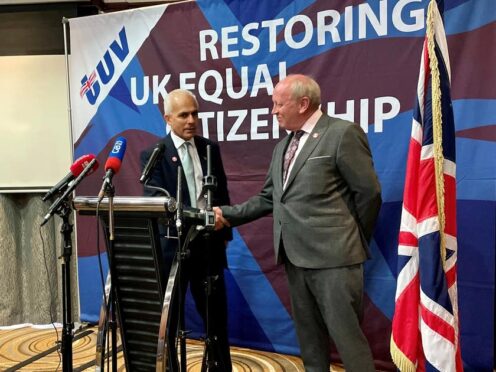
(58, 342)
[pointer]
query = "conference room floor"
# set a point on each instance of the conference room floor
(33, 349)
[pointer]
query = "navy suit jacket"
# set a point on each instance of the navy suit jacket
(164, 175)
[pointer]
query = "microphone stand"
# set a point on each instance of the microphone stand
(109, 191)
(211, 353)
(68, 325)
(62, 207)
(182, 256)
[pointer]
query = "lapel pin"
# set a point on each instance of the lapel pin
(174, 159)
(315, 135)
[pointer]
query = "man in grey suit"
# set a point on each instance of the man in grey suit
(325, 198)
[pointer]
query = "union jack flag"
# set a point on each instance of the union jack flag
(425, 330)
(86, 85)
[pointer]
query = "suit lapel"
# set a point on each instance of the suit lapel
(201, 148)
(171, 157)
(278, 162)
(312, 141)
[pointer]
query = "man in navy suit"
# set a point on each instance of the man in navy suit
(325, 197)
(207, 257)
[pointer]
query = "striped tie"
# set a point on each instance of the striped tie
(290, 153)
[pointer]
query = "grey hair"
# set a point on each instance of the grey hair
(304, 86)
(172, 94)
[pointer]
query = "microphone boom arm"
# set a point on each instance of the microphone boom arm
(56, 205)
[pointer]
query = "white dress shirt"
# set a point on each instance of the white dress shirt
(178, 142)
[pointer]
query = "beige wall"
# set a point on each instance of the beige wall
(35, 143)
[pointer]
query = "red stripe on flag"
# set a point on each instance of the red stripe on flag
(407, 238)
(405, 330)
(426, 199)
(437, 324)
(451, 276)
(412, 170)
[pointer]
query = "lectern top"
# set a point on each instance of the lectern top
(161, 204)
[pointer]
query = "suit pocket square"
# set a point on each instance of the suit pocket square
(320, 157)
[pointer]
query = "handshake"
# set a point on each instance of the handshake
(220, 221)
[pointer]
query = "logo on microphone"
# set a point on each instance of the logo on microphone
(117, 147)
(104, 72)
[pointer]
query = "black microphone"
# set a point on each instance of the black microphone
(152, 162)
(55, 206)
(76, 168)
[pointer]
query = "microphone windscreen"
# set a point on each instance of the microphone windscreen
(113, 164)
(116, 155)
(82, 162)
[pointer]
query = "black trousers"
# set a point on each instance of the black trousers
(202, 277)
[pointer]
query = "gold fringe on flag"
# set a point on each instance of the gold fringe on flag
(437, 127)
(401, 361)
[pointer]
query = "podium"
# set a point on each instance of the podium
(143, 292)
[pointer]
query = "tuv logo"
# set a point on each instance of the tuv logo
(90, 85)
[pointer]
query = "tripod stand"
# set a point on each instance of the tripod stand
(62, 207)
(68, 325)
(196, 271)
(211, 353)
(111, 319)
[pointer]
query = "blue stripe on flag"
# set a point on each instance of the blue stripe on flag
(432, 277)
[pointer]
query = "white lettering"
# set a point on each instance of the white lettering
(331, 27)
(233, 135)
(227, 41)
(272, 26)
(307, 34)
(262, 72)
(253, 40)
(417, 15)
(203, 117)
(208, 44)
(365, 13)
(256, 123)
(212, 95)
(349, 114)
(145, 88)
(183, 80)
(230, 83)
(381, 115)
(159, 87)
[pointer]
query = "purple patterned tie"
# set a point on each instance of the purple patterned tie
(290, 153)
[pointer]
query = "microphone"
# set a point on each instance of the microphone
(88, 169)
(76, 168)
(152, 162)
(113, 164)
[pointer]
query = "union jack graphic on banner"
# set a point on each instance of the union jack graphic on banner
(425, 329)
(86, 85)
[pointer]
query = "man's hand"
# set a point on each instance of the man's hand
(220, 221)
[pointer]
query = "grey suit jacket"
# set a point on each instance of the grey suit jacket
(326, 214)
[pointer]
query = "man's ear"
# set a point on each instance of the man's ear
(304, 104)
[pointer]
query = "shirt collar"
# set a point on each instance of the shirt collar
(311, 122)
(178, 141)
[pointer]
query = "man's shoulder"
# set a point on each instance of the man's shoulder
(162, 140)
(202, 141)
(338, 124)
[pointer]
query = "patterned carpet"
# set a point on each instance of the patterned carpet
(21, 344)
